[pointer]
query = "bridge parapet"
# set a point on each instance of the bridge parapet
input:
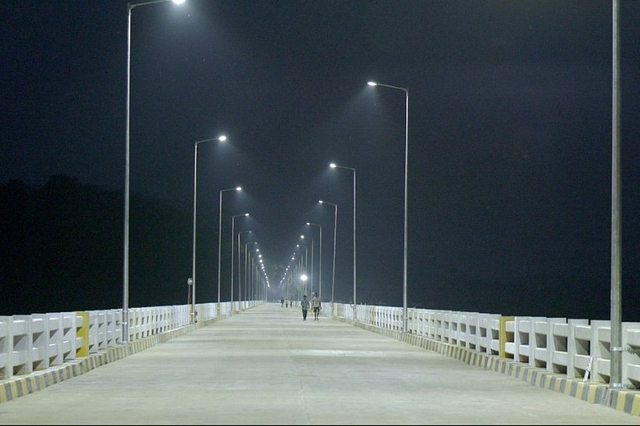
(575, 348)
(34, 343)
(572, 349)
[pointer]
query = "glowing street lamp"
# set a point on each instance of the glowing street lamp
(406, 173)
(125, 285)
(335, 226)
(193, 267)
(238, 188)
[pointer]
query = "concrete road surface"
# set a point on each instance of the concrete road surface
(268, 366)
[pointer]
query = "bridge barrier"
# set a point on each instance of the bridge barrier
(573, 348)
(37, 342)
(38, 350)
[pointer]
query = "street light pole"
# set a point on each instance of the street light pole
(239, 234)
(220, 239)
(233, 224)
(193, 263)
(127, 177)
(406, 200)
(259, 268)
(319, 260)
(615, 380)
(335, 226)
(306, 264)
(333, 166)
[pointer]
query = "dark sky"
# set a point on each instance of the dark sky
(510, 124)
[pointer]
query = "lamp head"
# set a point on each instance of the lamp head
(372, 83)
(239, 188)
(178, 1)
(333, 165)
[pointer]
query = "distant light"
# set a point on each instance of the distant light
(372, 83)
(303, 277)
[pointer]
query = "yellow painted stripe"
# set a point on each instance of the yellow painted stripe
(3, 394)
(41, 382)
(539, 379)
(31, 384)
(620, 401)
(569, 387)
(545, 381)
(635, 406)
(13, 390)
(591, 396)
(580, 390)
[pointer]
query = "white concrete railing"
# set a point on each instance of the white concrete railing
(35, 342)
(577, 348)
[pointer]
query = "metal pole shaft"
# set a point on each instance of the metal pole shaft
(333, 276)
(615, 380)
(355, 314)
(320, 267)
(127, 178)
(219, 247)
(406, 221)
(193, 261)
(406, 205)
(233, 222)
(312, 262)
(239, 275)
(125, 285)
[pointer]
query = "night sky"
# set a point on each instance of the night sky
(510, 122)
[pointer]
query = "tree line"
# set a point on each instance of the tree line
(62, 249)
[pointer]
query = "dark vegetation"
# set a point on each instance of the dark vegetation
(62, 249)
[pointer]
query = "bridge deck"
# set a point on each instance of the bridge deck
(267, 366)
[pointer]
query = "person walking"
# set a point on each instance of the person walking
(305, 307)
(316, 305)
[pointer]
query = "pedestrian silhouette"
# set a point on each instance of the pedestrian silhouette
(304, 303)
(316, 305)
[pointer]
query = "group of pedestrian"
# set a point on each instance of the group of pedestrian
(315, 304)
(286, 303)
